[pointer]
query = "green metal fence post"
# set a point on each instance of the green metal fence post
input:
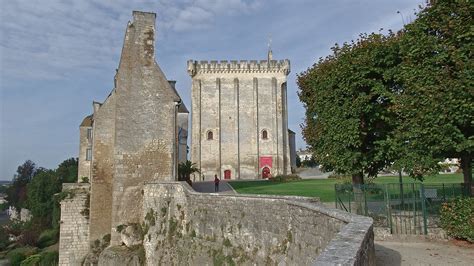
(444, 194)
(389, 213)
(414, 205)
(423, 207)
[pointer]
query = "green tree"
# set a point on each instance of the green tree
(185, 169)
(67, 170)
(17, 193)
(347, 97)
(298, 161)
(41, 192)
(436, 108)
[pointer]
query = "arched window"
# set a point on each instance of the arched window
(264, 134)
(210, 136)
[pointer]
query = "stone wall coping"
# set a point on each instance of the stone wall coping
(190, 190)
(346, 246)
(76, 185)
(239, 66)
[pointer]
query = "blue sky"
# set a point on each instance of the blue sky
(56, 57)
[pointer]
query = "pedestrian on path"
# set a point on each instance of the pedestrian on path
(216, 183)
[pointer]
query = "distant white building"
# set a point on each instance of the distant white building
(304, 155)
(449, 165)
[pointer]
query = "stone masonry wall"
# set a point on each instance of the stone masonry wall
(145, 122)
(187, 228)
(102, 169)
(74, 227)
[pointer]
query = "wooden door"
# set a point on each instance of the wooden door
(227, 174)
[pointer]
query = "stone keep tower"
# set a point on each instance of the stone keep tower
(240, 118)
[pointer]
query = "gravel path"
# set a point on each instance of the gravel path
(422, 253)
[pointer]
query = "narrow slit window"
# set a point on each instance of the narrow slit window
(89, 133)
(89, 154)
(210, 135)
(264, 134)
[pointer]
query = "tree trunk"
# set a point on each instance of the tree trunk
(359, 201)
(358, 178)
(466, 166)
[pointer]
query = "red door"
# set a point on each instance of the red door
(227, 174)
(266, 172)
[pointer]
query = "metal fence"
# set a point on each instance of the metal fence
(408, 208)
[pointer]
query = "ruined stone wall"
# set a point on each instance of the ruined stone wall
(187, 228)
(236, 101)
(102, 168)
(74, 229)
(145, 122)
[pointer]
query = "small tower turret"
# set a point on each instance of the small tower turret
(270, 53)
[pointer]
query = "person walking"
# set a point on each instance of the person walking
(216, 183)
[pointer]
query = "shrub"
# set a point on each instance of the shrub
(31, 260)
(3, 206)
(16, 258)
(4, 241)
(28, 237)
(457, 218)
(49, 258)
(285, 178)
(47, 238)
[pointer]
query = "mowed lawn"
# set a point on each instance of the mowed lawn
(323, 188)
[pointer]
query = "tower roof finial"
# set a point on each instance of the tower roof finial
(270, 54)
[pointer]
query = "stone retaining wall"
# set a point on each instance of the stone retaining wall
(74, 229)
(181, 226)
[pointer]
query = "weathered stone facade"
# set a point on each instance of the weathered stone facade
(240, 118)
(85, 149)
(138, 134)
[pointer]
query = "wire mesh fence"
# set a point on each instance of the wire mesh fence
(404, 208)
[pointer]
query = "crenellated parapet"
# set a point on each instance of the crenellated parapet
(242, 66)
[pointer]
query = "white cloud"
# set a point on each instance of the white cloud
(48, 39)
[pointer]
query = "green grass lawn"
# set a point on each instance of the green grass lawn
(323, 188)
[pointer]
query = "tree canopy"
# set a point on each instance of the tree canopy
(347, 96)
(34, 188)
(436, 108)
(403, 99)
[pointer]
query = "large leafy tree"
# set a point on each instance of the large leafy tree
(41, 192)
(347, 96)
(67, 170)
(436, 108)
(17, 191)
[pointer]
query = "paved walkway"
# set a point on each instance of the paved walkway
(422, 253)
(208, 187)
